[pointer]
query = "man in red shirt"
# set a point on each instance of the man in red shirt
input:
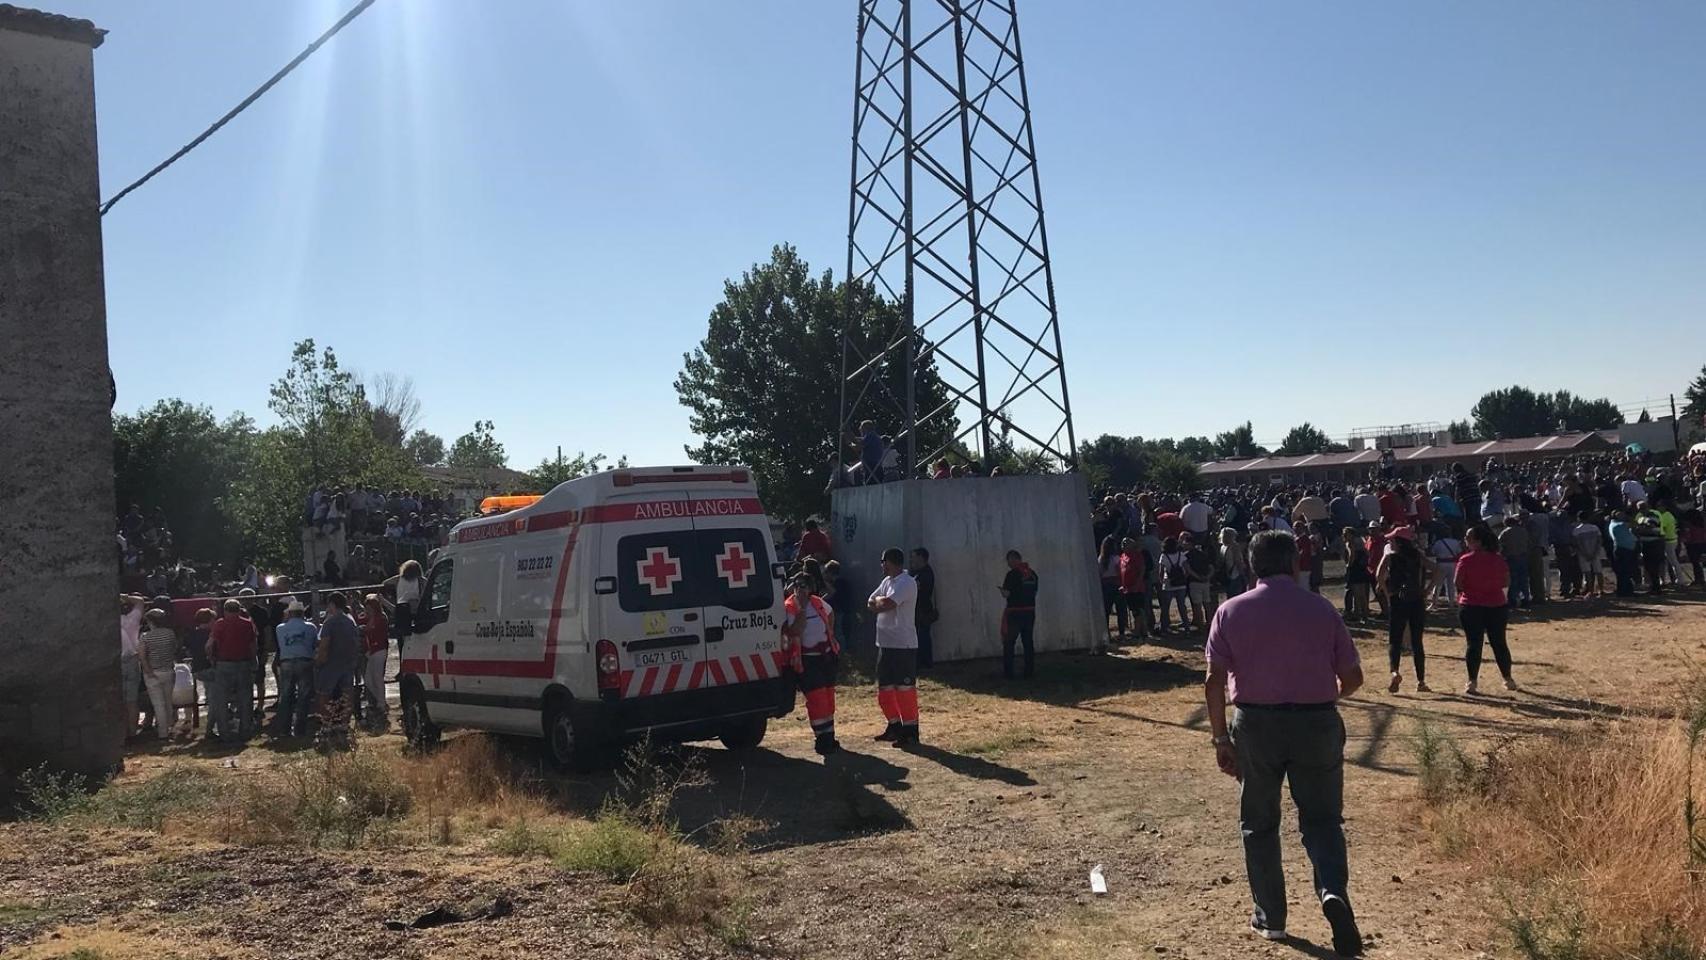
(1392, 507)
(375, 644)
(814, 543)
(1134, 587)
(231, 647)
(1424, 507)
(1169, 525)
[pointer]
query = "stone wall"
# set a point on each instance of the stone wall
(59, 648)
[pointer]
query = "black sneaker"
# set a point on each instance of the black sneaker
(1266, 932)
(1347, 940)
(826, 745)
(890, 735)
(908, 735)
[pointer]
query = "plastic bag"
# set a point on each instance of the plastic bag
(183, 686)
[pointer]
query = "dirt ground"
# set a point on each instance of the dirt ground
(977, 845)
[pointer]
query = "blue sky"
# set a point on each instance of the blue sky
(1344, 212)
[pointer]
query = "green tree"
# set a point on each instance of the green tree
(478, 449)
(1695, 395)
(1173, 473)
(325, 439)
(326, 408)
(1113, 461)
(1304, 438)
(177, 457)
(1577, 413)
(762, 390)
(1195, 449)
(1462, 431)
(1645, 416)
(1238, 442)
(1517, 411)
(425, 449)
(555, 470)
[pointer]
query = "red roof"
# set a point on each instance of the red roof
(1525, 447)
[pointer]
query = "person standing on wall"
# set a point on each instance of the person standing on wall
(1283, 658)
(927, 613)
(1019, 619)
(895, 602)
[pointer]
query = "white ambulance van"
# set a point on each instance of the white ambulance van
(628, 602)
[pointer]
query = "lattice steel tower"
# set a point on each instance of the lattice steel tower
(945, 220)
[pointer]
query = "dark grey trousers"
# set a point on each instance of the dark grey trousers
(1306, 748)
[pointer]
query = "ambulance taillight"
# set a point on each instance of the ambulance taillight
(609, 666)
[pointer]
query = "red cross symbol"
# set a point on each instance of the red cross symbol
(660, 570)
(735, 565)
(435, 666)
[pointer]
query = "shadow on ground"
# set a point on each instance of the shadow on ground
(800, 801)
(1069, 679)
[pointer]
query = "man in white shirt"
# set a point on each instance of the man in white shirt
(1633, 491)
(895, 602)
(1196, 516)
(1368, 505)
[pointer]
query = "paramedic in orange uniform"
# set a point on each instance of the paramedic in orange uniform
(808, 630)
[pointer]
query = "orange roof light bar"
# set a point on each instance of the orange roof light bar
(501, 504)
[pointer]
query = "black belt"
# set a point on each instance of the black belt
(1286, 707)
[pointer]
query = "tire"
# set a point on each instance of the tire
(419, 732)
(746, 733)
(569, 745)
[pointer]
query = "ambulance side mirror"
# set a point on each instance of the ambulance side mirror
(604, 586)
(778, 571)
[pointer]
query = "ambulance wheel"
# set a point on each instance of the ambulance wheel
(745, 734)
(568, 745)
(419, 732)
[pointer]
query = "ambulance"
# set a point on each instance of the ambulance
(625, 603)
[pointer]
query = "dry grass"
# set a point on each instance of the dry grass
(127, 939)
(1585, 838)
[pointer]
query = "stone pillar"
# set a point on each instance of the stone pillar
(59, 648)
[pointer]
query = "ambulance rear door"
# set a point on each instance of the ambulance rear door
(650, 554)
(743, 615)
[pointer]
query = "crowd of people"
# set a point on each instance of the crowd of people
(421, 518)
(879, 462)
(1520, 534)
(328, 666)
(1280, 654)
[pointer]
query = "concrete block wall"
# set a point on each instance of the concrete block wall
(60, 700)
(968, 525)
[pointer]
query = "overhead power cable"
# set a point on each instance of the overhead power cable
(344, 21)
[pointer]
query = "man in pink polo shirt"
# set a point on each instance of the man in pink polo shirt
(1282, 656)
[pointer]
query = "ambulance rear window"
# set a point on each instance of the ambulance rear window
(694, 568)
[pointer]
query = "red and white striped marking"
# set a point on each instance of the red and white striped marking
(677, 677)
